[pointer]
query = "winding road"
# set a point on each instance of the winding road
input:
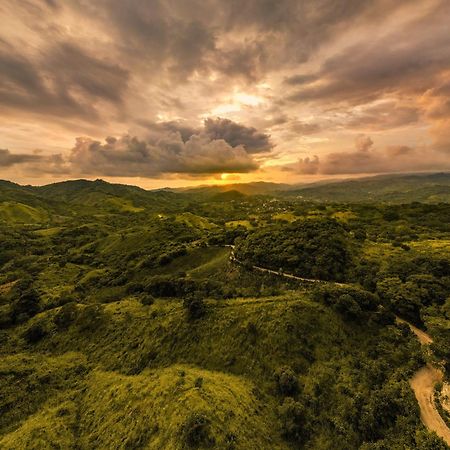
(422, 383)
(280, 273)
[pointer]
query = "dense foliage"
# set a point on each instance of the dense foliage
(134, 319)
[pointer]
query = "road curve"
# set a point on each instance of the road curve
(422, 383)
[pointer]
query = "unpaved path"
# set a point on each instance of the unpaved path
(422, 383)
(280, 273)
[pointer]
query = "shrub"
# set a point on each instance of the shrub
(90, 318)
(26, 306)
(347, 306)
(5, 317)
(134, 288)
(65, 316)
(147, 300)
(34, 333)
(195, 431)
(292, 417)
(287, 382)
(195, 307)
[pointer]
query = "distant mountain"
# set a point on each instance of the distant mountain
(31, 204)
(80, 197)
(430, 188)
(254, 188)
(227, 196)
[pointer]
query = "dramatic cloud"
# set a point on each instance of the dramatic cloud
(367, 159)
(236, 134)
(131, 157)
(7, 159)
(261, 82)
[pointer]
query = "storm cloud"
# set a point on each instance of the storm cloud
(189, 82)
(366, 158)
(236, 134)
(132, 157)
(7, 159)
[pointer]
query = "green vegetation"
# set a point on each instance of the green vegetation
(136, 320)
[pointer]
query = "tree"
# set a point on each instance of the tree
(195, 431)
(26, 306)
(195, 307)
(66, 316)
(286, 380)
(34, 333)
(292, 417)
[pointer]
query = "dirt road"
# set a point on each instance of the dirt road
(280, 273)
(422, 383)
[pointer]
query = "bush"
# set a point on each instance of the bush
(26, 306)
(347, 306)
(287, 382)
(195, 431)
(34, 333)
(65, 316)
(90, 318)
(134, 288)
(195, 307)
(5, 317)
(147, 300)
(292, 417)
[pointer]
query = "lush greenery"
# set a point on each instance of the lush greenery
(136, 319)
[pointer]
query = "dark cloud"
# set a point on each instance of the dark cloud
(307, 166)
(383, 116)
(65, 82)
(407, 60)
(168, 148)
(132, 157)
(233, 133)
(236, 134)
(8, 159)
(367, 159)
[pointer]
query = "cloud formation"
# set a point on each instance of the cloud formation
(7, 159)
(132, 157)
(189, 82)
(367, 159)
(236, 134)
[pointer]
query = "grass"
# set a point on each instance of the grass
(239, 223)
(286, 216)
(199, 262)
(14, 212)
(195, 221)
(28, 381)
(344, 216)
(154, 368)
(48, 232)
(150, 410)
(51, 428)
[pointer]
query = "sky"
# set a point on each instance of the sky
(185, 92)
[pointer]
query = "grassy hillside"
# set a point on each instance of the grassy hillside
(13, 212)
(432, 188)
(137, 320)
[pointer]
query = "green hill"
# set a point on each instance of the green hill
(431, 188)
(12, 212)
(136, 319)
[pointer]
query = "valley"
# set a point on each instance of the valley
(174, 320)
